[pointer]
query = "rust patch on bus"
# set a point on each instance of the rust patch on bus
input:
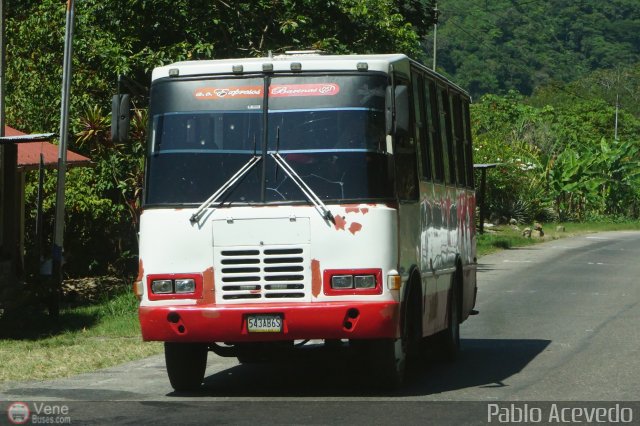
(339, 223)
(138, 281)
(207, 287)
(316, 278)
(210, 314)
(388, 311)
(140, 270)
(355, 227)
(363, 210)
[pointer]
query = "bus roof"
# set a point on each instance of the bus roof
(283, 63)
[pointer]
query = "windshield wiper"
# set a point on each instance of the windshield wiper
(308, 192)
(225, 187)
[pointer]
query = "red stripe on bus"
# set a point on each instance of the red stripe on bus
(374, 320)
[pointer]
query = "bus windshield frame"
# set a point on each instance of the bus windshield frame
(329, 127)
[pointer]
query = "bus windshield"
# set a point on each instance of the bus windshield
(329, 128)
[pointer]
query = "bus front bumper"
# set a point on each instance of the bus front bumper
(213, 323)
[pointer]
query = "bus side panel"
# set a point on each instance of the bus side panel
(408, 239)
(442, 253)
(429, 245)
(467, 249)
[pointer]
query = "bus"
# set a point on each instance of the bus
(302, 197)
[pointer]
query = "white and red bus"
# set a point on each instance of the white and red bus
(305, 197)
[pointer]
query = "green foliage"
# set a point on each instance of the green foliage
(557, 153)
(512, 134)
(495, 46)
(619, 85)
(131, 37)
(557, 162)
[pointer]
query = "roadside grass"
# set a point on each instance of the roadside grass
(84, 338)
(506, 237)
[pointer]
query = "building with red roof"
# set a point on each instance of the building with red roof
(29, 153)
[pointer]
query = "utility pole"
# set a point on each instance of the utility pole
(2, 152)
(58, 237)
(8, 176)
(435, 33)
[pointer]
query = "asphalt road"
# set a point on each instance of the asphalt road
(558, 321)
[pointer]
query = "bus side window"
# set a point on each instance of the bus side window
(434, 129)
(450, 138)
(419, 127)
(467, 143)
(406, 166)
(445, 132)
(459, 141)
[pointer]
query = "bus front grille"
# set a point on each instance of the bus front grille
(262, 273)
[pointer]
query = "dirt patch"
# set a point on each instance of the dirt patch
(92, 289)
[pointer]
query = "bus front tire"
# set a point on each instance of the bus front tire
(186, 364)
(391, 356)
(388, 362)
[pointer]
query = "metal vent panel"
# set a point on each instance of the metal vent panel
(262, 274)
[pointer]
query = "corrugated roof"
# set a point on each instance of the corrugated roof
(29, 153)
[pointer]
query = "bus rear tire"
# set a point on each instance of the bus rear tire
(450, 337)
(186, 364)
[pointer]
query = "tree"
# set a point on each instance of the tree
(522, 45)
(558, 162)
(130, 37)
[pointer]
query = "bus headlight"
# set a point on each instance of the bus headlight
(342, 281)
(174, 286)
(185, 285)
(365, 281)
(162, 286)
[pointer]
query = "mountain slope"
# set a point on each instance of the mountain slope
(494, 46)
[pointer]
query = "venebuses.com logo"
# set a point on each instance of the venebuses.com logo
(18, 413)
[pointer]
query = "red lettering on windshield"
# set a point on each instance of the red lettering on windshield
(208, 93)
(276, 91)
(320, 89)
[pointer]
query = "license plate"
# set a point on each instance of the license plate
(264, 323)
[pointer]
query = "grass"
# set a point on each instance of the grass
(85, 338)
(506, 237)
